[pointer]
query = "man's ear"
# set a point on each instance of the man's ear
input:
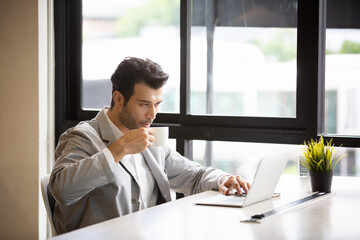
(118, 99)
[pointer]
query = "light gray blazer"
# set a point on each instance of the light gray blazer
(87, 190)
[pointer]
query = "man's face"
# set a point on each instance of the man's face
(141, 108)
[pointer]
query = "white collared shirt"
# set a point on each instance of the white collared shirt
(144, 176)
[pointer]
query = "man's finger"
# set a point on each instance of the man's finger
(243, 183)
(224, 190)
(238, 188)
(151, 138)
(246, 186)
(232, 183)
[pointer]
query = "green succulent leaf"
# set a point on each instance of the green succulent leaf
(319, 157)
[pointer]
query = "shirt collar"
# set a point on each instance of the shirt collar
(113, 127)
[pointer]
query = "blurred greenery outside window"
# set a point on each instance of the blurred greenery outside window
(115, 29)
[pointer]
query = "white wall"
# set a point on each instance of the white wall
(19, 131)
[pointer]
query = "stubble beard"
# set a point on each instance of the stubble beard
(129, 121)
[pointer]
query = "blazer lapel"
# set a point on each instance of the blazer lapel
(159, 175)
(127, 164)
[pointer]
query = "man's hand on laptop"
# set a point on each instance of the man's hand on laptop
(233, 183)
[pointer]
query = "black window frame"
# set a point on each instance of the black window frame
(184, 127)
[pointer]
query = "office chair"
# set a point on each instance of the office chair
(49, 201)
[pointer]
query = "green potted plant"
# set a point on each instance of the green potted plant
(320, 160)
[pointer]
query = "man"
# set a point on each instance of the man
(107, 167)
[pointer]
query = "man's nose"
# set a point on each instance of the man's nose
(151, 113)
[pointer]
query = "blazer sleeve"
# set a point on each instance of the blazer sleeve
(189, 177)
(80, 166)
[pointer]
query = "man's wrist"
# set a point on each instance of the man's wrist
(109, 157)
(117, 150)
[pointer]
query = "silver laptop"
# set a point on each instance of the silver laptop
(262, 188)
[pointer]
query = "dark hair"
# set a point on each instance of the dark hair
(135, 70)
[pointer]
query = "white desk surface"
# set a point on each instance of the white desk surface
(335, 216)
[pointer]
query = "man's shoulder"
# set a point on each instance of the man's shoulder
(82, 129)
(84, 135)
(89, 125)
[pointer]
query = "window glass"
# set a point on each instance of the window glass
(342, 81)
(115, 29)
(243, 58)
(242, 158)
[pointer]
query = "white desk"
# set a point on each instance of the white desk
(336, 216)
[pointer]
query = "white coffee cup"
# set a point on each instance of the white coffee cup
(161, 135)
